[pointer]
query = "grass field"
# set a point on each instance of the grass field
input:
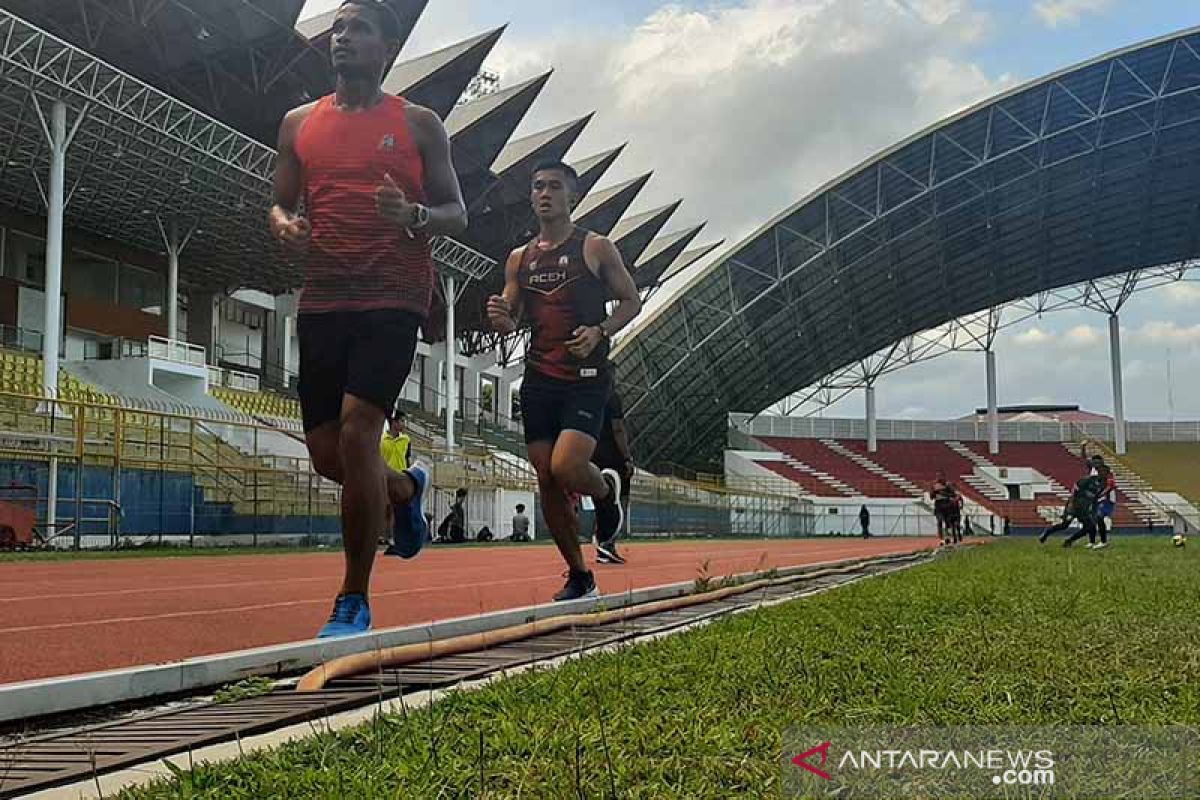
(1008, 633)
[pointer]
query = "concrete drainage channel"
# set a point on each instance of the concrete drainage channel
(86, 753)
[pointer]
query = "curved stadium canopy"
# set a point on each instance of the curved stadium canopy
(176, 104)
(1090, 172)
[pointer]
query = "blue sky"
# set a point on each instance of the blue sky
(743, 107)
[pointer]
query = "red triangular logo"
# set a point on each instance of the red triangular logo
(802, 760)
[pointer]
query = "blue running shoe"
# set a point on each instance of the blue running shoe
(351, 615)
(410, 528)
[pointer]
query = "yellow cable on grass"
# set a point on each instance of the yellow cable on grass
(391, 657)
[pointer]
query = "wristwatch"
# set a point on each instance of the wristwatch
(420, 217)
(604, 334)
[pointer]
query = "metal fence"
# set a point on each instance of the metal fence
(107, 475)
(959, 430)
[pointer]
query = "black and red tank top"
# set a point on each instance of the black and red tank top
(558, 294)
(356, 260)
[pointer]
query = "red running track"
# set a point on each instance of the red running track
(63, 618)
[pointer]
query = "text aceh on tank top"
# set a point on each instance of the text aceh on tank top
(356, 260)
(559, 294)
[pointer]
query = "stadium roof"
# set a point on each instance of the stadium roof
(176, 102)
(1090, 172)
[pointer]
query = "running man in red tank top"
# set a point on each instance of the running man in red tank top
(561, 283)
(376, 179)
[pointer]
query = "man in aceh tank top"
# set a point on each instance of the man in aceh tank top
(561, 283)
(376, 179)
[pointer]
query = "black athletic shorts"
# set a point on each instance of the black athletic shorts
(550, 406)
(364, 353)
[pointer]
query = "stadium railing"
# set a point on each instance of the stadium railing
(193, 476)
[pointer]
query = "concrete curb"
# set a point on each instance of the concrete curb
(31, 699)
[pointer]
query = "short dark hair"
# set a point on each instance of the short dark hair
(520, 508)
(554, 165)
(383, 14)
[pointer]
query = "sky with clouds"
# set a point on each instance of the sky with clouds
(742, 107)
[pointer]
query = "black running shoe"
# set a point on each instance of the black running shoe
(579, 585)
(609, 514)
(606, 553)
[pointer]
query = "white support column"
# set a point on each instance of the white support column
(1114, 345)
(175, 246)
(472, 393)
(431, 381)
(451, 361)
(872, 423)
(289, 333)
(56, 206)
(173, 288)
(59, 140)
(503, 399)
(992, 405)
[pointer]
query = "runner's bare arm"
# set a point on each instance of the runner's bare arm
(605, 261)
(447, 211)
(504, 310)
(285, 224)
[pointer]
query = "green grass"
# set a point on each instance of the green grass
(250, 687)
(1005, 634)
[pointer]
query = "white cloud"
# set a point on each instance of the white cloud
(1054, 13)
(743, 108)
(1183, 294)
(1083, 337)
(1033, 337)
(1167, 334)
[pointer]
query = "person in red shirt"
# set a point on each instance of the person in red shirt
(561, 283)
(376, 179)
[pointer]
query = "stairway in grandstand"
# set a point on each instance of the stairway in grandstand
(796, 468)
(865, 461)
(1048, 508)
(912, 467)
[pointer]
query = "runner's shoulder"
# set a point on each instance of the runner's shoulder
(293, 119)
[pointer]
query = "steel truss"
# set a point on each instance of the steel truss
(977, 333)
(139, 155)
(1091, 173)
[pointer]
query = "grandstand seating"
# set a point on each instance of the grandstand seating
(821, 458)
(257, 404)
(908, 468)
(810, 483)
(21, 373)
